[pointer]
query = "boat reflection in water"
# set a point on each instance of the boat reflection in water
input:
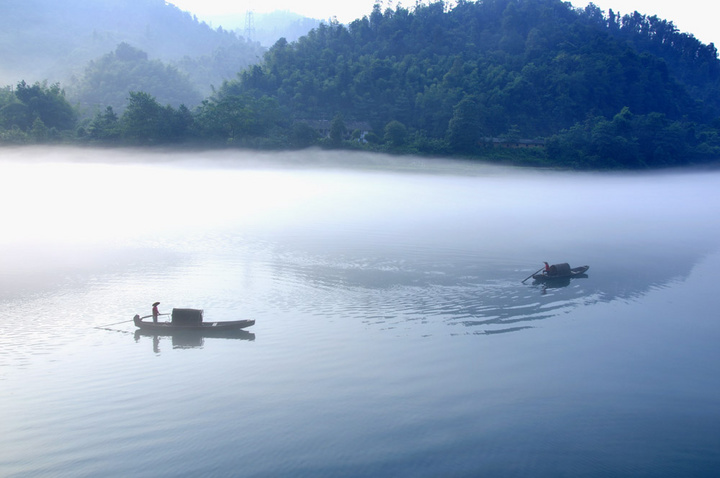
(188, 339)
(557, 283)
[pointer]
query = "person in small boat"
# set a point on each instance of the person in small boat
(155, 311)
(547, 268)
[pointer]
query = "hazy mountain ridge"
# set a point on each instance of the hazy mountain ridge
(268, 27)
(50, 40)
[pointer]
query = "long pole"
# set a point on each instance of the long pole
(116, 323)
(122, 322)
(532, 274)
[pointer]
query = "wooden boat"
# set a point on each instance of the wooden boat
(188, 320)
(561, 271)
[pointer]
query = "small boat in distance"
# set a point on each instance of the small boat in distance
(188, 320)
(561, 271)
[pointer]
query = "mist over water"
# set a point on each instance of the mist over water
(391, 316)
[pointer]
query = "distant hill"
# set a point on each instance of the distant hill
(268, 27)
(54, 40)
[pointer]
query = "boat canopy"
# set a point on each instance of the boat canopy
(560, 269)
(187, 316)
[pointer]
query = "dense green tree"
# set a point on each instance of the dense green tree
(39, 132)
(14, 136)
(632, 141)
(7, 96)
(464, 133)
(108, 80)
(396, 134)
(303, 135)
(16, 115)
(105, 126)
(142, 122)
(337, 130)
(47, 103)
(232, 118)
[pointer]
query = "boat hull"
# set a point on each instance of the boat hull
(151, 326)
(576, 272)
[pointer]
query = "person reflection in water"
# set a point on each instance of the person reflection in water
(155, 311)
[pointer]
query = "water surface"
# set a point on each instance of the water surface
(394, 336)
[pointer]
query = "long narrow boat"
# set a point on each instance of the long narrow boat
(188, 320)
(561, 271)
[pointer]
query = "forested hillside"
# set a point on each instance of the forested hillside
(536, 64)
(572, 88)
(492, 68)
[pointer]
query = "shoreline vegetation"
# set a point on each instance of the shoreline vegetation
(529, 83)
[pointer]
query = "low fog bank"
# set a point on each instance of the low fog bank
(312, 158)
(89, 210)
(234, 158)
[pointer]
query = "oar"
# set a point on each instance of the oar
(532, 274)
(116, 323)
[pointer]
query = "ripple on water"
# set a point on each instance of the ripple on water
(391, 291)
(235, 276)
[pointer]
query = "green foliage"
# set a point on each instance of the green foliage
(141, 120)
(146, 122)
(7, 96)
(691, 62)
(108, 81)
(496, 68)
(48, 104)
(105, 127)
(604, 91)
(41, 111)
(39, 132)
(303, 136)
(14, 136)
(238, 119)
(16, 115)
(632, 141)
(464, 130)
(337, 130)
(396, 134)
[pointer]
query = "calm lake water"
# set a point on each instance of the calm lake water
(394, 335)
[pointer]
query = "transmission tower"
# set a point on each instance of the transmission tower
(249, 24)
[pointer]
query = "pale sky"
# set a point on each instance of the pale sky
(699, 17)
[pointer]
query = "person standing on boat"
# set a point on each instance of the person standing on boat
(547, 268)
(155, 311)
